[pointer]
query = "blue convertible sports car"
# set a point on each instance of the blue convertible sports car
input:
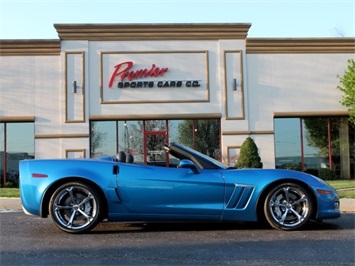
(79, 193)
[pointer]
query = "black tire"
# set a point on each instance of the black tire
(75, 207)
(288, 207)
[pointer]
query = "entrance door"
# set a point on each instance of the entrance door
(154, 139)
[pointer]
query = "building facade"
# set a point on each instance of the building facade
(102, 88)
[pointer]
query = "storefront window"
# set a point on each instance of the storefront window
(16, 144)
(2, 149)
(288, 143)
(315, 145)
(130, 138)
(103, 138)
(201, 135)
(110, 137)
(320, 146)
(155, 125)
(343, 147)
(143, 138)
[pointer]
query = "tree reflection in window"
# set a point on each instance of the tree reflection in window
(327, 146)
(201, 135)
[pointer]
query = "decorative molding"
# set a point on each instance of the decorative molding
(308, 114)
(238, 133)
(300, 45)
(149, 32)
(155, 116)
(230, 156)
(17, 119)
(29, 47)
(227, 88)
(78, 153)
(81, 88)
(61, 136)
(206, 97)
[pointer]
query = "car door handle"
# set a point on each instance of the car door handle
(115, 170)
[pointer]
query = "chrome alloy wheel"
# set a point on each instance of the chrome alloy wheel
(75, 208)
(288, 207)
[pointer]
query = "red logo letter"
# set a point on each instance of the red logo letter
(118, 71)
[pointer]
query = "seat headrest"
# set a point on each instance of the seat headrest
(121, 156)
(130, 158)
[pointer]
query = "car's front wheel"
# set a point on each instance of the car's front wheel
(288, 206)
(75, 207)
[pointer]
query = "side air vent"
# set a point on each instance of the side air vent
(240, 197)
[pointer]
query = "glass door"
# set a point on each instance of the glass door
(155, 135)
(154, 154)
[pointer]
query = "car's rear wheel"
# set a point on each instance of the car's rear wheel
(75, 207)
(288, 206)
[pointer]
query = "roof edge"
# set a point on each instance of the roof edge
(29, 47)
(111, 32)
(300, 45)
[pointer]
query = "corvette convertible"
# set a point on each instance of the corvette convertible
(79, 193)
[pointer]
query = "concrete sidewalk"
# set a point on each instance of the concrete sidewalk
(346, 205)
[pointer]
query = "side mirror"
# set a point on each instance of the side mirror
(190, 165)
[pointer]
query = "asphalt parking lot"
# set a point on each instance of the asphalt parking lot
(28, 240)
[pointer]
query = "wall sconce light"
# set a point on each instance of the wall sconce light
(74, 87)
(235, 84)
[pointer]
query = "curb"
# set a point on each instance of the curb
(346, 205)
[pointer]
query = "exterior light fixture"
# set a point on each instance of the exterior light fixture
(234, 84)
(74, 87)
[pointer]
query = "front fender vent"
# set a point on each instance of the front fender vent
(240, 197)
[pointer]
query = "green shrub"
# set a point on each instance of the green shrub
(9, 184)
(249, 155)
(291, 166)
(327, 174)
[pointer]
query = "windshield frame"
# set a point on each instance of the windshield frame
(203, 161)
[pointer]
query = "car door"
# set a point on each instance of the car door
(171, 192)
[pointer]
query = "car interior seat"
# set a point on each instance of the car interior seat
(121, 157)
(130, 158)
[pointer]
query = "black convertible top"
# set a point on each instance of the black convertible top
(201, 160)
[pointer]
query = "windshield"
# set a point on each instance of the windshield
(205, 157)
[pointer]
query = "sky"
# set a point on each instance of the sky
(34, 19)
